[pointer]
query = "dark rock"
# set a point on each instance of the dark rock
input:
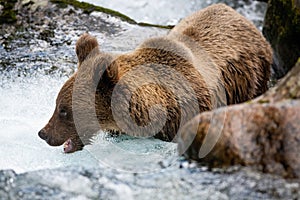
(282, 29)
(8, 13)
(264, 133)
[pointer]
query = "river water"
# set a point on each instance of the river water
(33, 70)
(169, 12)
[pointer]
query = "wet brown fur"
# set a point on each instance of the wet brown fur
(211, 50)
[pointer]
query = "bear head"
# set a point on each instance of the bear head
(83, 102)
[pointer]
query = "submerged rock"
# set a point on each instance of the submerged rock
(184, 183)
(264, 133)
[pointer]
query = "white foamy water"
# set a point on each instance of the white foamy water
(170, 12)
(27, 103)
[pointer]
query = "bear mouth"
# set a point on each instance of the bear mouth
(69, 146)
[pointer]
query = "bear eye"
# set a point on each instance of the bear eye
(63, 112)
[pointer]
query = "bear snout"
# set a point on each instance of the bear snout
(43, 135)
(53, 140)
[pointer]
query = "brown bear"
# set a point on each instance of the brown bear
(215, 57)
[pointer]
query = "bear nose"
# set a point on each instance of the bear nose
(43, 135)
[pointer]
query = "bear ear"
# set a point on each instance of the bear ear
(86, 46)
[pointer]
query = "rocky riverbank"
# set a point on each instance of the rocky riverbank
(263, 133)
(179, 183)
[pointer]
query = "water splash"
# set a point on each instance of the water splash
(27, 104)
(169, 13)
